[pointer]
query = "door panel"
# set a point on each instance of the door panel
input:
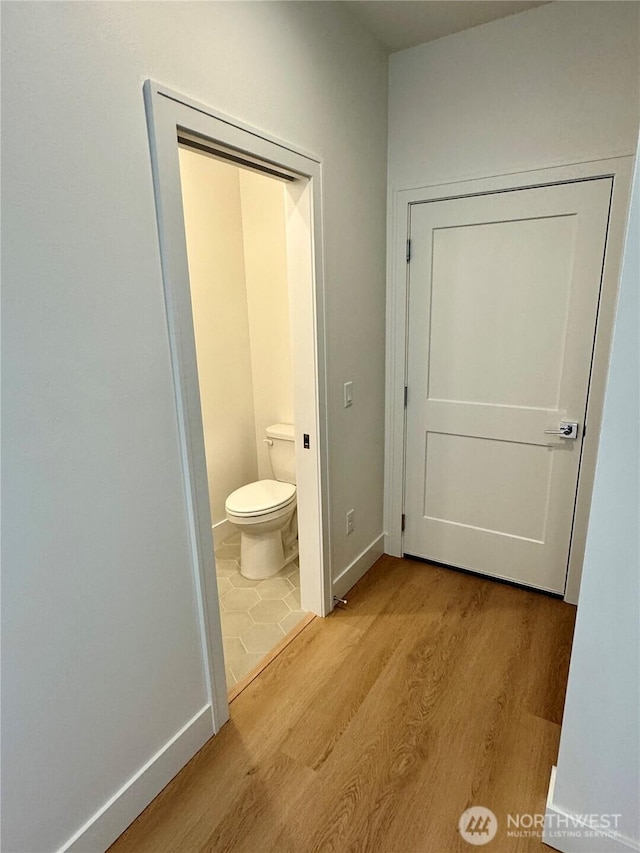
(503, 297)
(467, 360)
(453, 461)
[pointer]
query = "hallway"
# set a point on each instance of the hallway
(432, 691)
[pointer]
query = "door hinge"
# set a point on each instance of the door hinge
(408, 250)
(404, 521)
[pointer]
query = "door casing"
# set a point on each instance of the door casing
(167, 113)
(620, 169)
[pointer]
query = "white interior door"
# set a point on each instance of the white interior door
(503, 300)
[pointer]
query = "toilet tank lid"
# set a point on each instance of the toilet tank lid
(283, 431)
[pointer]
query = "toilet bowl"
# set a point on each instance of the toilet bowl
(265, 511)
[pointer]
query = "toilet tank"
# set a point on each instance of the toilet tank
(282, 452)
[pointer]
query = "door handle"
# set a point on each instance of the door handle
(568, 429)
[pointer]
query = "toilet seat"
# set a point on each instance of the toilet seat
(260, 498)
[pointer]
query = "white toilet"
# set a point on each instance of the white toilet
(265, 511)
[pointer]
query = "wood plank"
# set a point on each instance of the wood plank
(213, 782)
(375, 728)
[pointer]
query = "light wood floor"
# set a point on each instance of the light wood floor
(378, 726)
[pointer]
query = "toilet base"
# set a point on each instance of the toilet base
(261, 556)
(267, 547)
(264, 552)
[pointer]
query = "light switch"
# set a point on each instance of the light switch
(350, 521)
(348, 394)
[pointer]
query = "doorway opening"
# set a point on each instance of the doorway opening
(235, 228)
(175, 121)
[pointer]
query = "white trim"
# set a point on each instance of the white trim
(167, 112)
(620, 169)
(359, 567)
(555, 815)
(221, 532)
(102, 829)
(236, 128)
(452, 180)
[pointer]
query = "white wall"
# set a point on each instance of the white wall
(101, 659)
(598, 768)
(215, 248)
(551, 85)
(267, 285)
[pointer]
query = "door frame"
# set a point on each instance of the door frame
(167, 113)
(618, 168)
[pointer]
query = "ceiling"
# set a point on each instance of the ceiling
(399, 24)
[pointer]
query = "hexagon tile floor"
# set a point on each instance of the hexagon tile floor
(255, 615)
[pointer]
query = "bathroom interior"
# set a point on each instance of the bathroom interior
(235, 230)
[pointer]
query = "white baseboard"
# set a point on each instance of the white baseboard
(222, 531)
(566, 832)
(355, 570)
(102, 829)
